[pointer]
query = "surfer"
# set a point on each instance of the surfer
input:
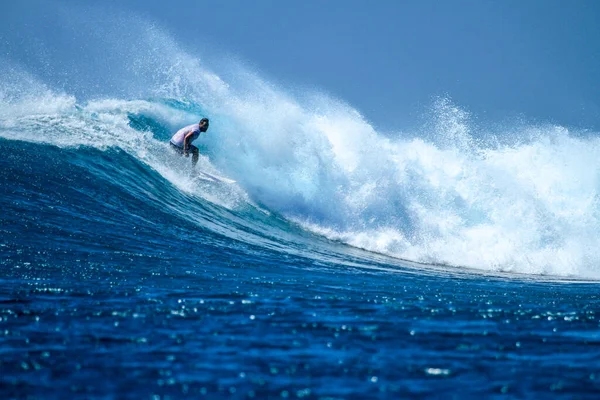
(181, 141)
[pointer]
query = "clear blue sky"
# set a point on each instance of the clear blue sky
(537, 58)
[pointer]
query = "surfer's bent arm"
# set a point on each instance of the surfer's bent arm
(186, 141)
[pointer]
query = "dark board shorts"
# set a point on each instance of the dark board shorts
(180, 149)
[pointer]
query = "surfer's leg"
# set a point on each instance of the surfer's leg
(195, 154)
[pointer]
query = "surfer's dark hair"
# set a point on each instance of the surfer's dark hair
(204, 120)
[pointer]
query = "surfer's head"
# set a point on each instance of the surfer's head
(203, 124)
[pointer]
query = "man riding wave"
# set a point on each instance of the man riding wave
(182, 140)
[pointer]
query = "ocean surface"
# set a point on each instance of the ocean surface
(452, 261)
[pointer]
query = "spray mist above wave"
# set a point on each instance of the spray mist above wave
(446, 194)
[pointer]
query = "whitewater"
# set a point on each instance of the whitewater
(340, 250)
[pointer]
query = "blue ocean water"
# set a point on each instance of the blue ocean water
(450, 262)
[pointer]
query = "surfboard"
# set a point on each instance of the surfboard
(213, 178)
